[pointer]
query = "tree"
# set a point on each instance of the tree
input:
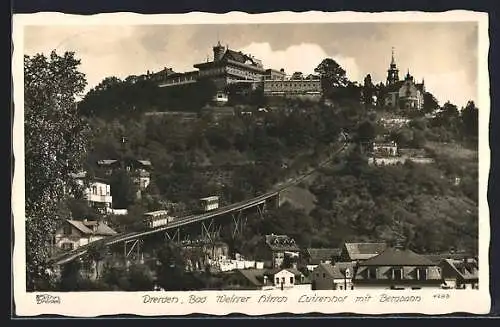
(297, 75)
(332, 75)
(430, 103)
(470, 120)
(123, 189)
(55, 146)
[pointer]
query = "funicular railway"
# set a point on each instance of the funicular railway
(206, 218)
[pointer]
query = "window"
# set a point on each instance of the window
(291, 280)
(67, 246)
(372, 273)
(397, 274)
(421, 273)
(341, 287)
(277, 280)
(282, 280)
(324, 275)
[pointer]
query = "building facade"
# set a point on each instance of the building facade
(396, 268)
(75, 233)
(97, 192)
(274, 248)
(336, 276)
(406, 94)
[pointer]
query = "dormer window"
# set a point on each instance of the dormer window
(372, 273)
(421, 273)
(397, 273)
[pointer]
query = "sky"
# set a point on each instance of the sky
(444, 53)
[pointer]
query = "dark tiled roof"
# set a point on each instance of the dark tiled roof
(236, 56)
(83, 227)
(319, 254)
(255, 276)
(337, 270)
(363, 251)
(467, 269)
(397, 257)
(437, 258)
(281, 243)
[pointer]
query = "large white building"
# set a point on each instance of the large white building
(97, 192)
(75, 233)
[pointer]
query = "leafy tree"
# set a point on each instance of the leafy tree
(123, 189)
(55, 146)
(332, 75)
(470, 120)
(430, 103)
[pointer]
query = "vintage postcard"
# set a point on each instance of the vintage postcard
(258, 164)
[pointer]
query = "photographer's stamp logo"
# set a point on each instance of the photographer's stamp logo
(47, 299)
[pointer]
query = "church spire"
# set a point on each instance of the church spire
(392, 72)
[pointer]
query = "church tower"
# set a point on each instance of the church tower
(392, 72)
(219, 51)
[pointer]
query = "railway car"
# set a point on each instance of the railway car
(156, 219)
(209, 203)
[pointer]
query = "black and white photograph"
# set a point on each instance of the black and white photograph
(229, 162)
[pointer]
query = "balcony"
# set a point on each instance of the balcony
(99, 198)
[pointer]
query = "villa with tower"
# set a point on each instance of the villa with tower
(403, 94)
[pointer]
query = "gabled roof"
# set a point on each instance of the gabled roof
(363, 251)
(437, 258)
(272, 272)
(338, 270)
(83, 227)
(107, 161)
(255, 276)
(397, 257)
(281, 243)
(466, 269)
(236, 56)
(322, 254)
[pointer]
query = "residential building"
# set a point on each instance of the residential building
(460, 274)
(247, 279)
(402, 94)
(316, 256)
(397, 268)
(289, 87)
(389, 149)
(273, 249)
(75, 233)
(140, 170)
(285, 278)
(97, 192)
(263, 279)
(361, 251)
(336, 276)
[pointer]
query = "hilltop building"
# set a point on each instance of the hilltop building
(404, 94)
(97, 192)
(230, 67)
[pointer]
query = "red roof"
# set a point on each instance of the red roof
(397, 257)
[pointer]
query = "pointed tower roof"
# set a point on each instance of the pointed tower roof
(393, 61)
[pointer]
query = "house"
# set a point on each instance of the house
(264, 279)
(460, 274)
(360, 251)
(97, 192)
(333, 277)
(140, 170)
(285, 278)
(274, 248)
(247, 279)
(397, 268)
(316, 256)
(75, 233)
(385, 149)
